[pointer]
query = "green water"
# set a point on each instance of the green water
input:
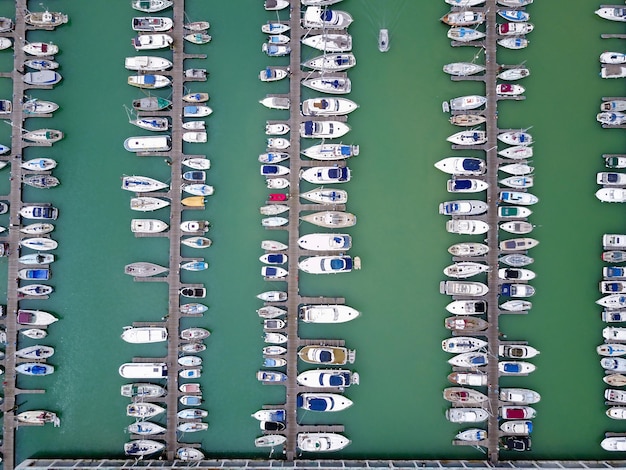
(398, 411)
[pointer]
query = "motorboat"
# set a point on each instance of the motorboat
(612, 58)
(517, 412)
(45, 19)
(613, 118)
(326, 378)
(276, 102)
(326, 174)
(39, 164)
(466, 415)
(142, 390)
(274, 170)
(148, 226)
(328, 264)
(146, 63)
(466, 185)
(613, 301)
(317, 17)
(467, 227)
(614, 256)
(329, 152)
(272, 5)
(330, 219)
(519, 395)
(383, 39)
(464, 103)
(516, 290)
(611, 349)
(515, 138)
(611, 194)
(613, 240)
(35, 352)
(270, 414)
(198, 189)
(466, 288)
(472, 435)
(616, 412)
(513, 212)
(467, 307)
(613, 364)
(155, 24)
(468, 138)
(273, 272)
(328, 106)
(273, 258)
(611, 333)
(516, 305)
(615, 443)
(323, 402)
(197, 163)
(189, 454)
(276, 128)
(513, 42)
(276, 50)
(463, 18)
(35, 317)
(476, 379)
(612, 287)
(198, 137)
(319, 2)
(469, 359)
(40, 49)
(192, 413)
(612, 13)
(152, 41)
(518, 227)
(515, 443)
(192, 373)
(330, 42)
(36, 274)
(325, 196)
(514, 29)
(321, 441)
(468, 249)
(515, 367)
(35, 290)
(147, 203)
(517, 427)
(464, 323)
(517, 274)
(518, 197)
(518, 244)
(514, 3)
(142, 447)
(463, 69)
(615, 380)
(612, 316)
(194, 334)
(193, 309)
(37, 212)
(517, 169)
(325, 242)
(266, 376)
(198, 37)
(39, 243)
(463, 395)
(144, 334)
(274, 338)
(274, 27)
(151, 103)
(467, 120)
(273, 245)
(151, 6)
(193, 292)
(273, 296)
(462, 344)
(514, 74)
(189, 361)
(145, 428)
(327, 355)
(464, 166)
(34, 368)
(335, 85)
(508, 89)
(331, 62)
(465, 269)
(34, 333)
(463, 207)
(278, 143)
(514, 15)
(327, 313)
(195, 226)
(463, 34)
(159, 143)
(613, 272)
(41, 181)
(38, 417)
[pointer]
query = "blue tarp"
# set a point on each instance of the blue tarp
(471, 164)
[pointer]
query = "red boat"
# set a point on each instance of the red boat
(277, 197)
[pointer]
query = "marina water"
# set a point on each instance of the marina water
(399, 410)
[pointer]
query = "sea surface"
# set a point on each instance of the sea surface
(398, 407)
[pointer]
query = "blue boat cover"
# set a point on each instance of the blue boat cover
(327, 15)
(269, 169)
(346, 150)
(471, 164)
(324, 104)
(299, 401)
(341, 241)
(612, 177)
(190, 109)
(270, 271)
(614, 286)
(461, 184)
(336, 380)
(37, 274)
(614, 271)
(512, 368)
(149, 79)
(317, 404)
(308, 127)
(325, 356)
(337, 264)
(505, 290)
(342, 60)
(276, 258)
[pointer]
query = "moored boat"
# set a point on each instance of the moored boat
(464, 395)
(152, 41)
(462, 344)
(321, 441)
(476, 379)
(327, 355)
(35, 352)
(144, 269)
(469, 359)
(323, 402)
(466, 415)
(463, 69)
(142, 447)
(34, 368)
(147, 203)
(330, 219)
(463, 103)
(145, 428)
(328, 106)
(40, 49)
(158, 143)
(35, 317)
(142, 390)
(514, 74)
(468, 249)
(464, 166)
(327, 313)
(466, 288)
(336, 85)
(152, 23)
(467, 324)
(516, 305)
(325, 242)
(325, 378)
(467, 227)
(463, 34)
(38, 417)
(147, 63)
(331, 62)
(465, 269)
(517, 169)
(330, 42)
(151, 6)
(331, 151)
(467, 307)
(144, 334)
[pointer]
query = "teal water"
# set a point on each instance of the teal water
(398, 411)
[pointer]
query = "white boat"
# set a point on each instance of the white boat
(513, 212)
(273, 245)
(330, 219)
(319, 2)
(508, 89)
(39, 243)
(463, 34)
(147, 63)
(466, 415)
(517, 427)
(273, 209)
(467, 120)
(147, 226)
(153, 123)
(35, 317)
(45, 19)
(514, 74)
(196, 97)
(193, 226)
(329, 42)
(142, 390)
(463, 207)
(466, 185)
(270, 414)
(514, 15)
(38, 417)
(463, 69)
(151, 103)
(612, 333)
(463, 395)
(472, 435)
(273, 272)
(613, 58)
(278, 143)
(468, 249)
(272, 74)
(43, 135)
(195, 137)
(325, 242)
(321, 441)
(467, 307)
(40, 49)
(325, 378)
(611, 194)
(616, 412)
(383, 39)
(276, 50)
(515, 3)
(272, 5)
(147, 203)
(471, 137)
(151, 6)
(326, 174)
(516, 290)
(327, 313)
(328, 106)
(515, 367)
(616, 443)
(462, 344)
(325, 18)
(39, 164)
(464, 3)
(516, 305)
(144, 334)
(198, 37)
(194, 334)
(273, 296)
(515, 138)
(143, 370)
(276, 128)
(613, 364)
(331, 62)
(464, 166)
(465, 269)
(517, 169)
(189, 361)
(274, 221)
(189, 454)
(466, 288)
(518, 182)
(465, 324)
(463, 103)
(140, 184)
(326, 355)
(158, 143)
(36, 212)
(142, 447)
(34, 368)
(331, 152)
(519, 395)
(274, 170)
(463, 18)
(329, 84)
(145, 428)
(323, 402)
(513, 42)
(329, 264)
(276, 102)
(612, 118)
(518, 227)
(36, 259)
(326, 196)
(271, 311)
(274, 27)
(611, 349)
(41, 64)
(476, 379)
(192, 413)
(144, 269)
(151, 41)
(197, 163)
(467, 227)
(518, 197)
(514, 29)
(35, 290)
(149, 81)
(274, 338)
(612, 13)
(156, 24)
